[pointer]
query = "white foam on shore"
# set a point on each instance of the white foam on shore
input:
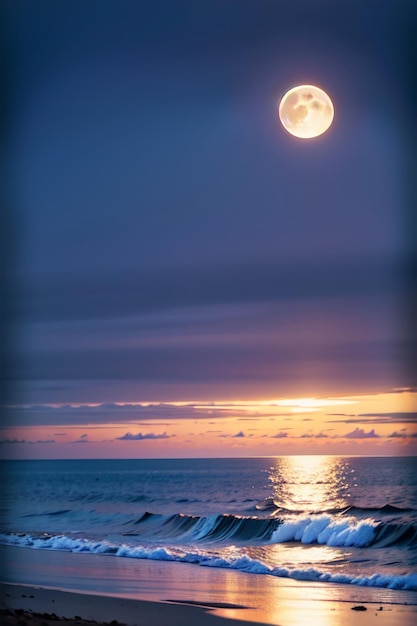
(244, 563)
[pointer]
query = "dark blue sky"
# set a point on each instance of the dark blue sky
(173, 241)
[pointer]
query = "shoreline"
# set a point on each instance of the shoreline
(37, 606)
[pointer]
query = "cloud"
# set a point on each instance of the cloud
(319, 435)
(141, 437)
(156, 413)
(402, 434)
(359, 433)
(92, 296)
(198, 361)
(24, 441)
(238, 435)
(400, 417)
(13, 441)
(203, 330)
(280, 435)
(137, 413)
(43, 441)
(82, 439)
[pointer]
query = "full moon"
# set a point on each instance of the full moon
(306, 111)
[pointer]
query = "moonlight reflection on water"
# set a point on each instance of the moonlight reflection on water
(311, 483)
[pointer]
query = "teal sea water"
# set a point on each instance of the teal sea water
(347, 520)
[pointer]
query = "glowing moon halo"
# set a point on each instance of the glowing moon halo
(306, 111)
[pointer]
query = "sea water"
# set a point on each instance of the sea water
(350, 520)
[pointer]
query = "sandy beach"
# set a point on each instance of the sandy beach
(48, 585)
(34, 606)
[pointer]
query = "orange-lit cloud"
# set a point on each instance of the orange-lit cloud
(113, 430)
(144, 436)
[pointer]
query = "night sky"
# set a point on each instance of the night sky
(172, 241)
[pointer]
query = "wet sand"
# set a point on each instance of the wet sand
(38, 607)
(32, 606)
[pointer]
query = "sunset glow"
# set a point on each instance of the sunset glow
(381, 424)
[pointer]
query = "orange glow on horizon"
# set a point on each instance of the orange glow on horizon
(379, 424)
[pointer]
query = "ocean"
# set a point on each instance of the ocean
(341, 520)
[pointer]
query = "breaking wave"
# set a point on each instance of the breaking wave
(322, 529)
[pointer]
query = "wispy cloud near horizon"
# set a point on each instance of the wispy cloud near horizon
(359, 433)
(376, 418)
(144, 436)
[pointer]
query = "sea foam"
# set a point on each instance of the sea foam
(324, 529)
(241, 562)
